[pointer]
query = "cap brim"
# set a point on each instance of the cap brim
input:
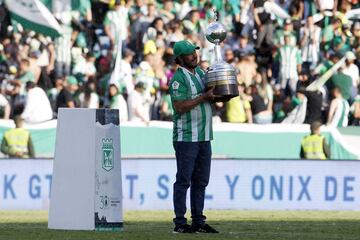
(190, 51)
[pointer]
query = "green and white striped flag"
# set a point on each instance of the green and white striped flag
(33, 15)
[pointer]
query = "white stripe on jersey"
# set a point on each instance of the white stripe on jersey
(194, 111)
(179, 126)
(340, 112)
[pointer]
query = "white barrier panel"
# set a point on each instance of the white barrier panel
(86, 189)
(234, 184)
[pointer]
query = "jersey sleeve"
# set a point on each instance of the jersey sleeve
(247, 105)
(107, 20)
(298, 57)
(178, 89)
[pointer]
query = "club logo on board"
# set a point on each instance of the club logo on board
(108, 154)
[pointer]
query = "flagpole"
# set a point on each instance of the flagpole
(318, 83)
(117, 68)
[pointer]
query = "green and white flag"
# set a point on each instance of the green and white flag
(33, 15)
(318, 83)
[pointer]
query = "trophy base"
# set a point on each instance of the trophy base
(225, 92)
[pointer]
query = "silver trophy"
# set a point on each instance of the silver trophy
(220, 75)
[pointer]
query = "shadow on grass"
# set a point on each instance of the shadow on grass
(242, 229)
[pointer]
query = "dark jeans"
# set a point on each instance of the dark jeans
(266, 34)
(193, 161)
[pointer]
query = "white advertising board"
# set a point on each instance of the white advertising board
(86, 189)
(234, 184)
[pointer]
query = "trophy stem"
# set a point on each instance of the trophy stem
(220, 75)
(218, 57)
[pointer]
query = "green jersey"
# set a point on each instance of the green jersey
(196, 124)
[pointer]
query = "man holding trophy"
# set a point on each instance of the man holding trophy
(192, 92)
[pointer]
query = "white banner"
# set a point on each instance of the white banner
(34, 15)
(234, 184)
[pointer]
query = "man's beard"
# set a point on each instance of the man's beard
(191, 65)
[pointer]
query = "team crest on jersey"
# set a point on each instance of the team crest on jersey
(175, 85)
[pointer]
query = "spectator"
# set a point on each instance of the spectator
(116, 25)
(352, 71)
(25, 75)
(355, 111)
(264, 25)
(310, 43)
(230, 57)
(288, 30)
(314, 146)
(246, 18)
(126, 82)
(66, 98)
(145, 75)
(298, 113)
(85, 67)
(242, 47)
(329, 33)
(258, 45)
(175, 32)
(182, 9)
(339, 110)
(166, 110)
(37, 106)
(136, 101)
(157, 26)
(247, 70)
(314, 99)
(146, 19)
(54, 92)
(89, 98)
(238, 110)
(4, 107)
(265, 89)
(289, 60)
(117, 101)
(341, 81)
(17, 142)
(261, 115)
(63, 45)
(193, 24)
(33, 63)
(167, 13)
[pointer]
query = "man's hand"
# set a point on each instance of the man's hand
(187, 105)
(209, 94)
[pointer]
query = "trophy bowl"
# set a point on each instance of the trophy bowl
(220, 75)
(215, 33)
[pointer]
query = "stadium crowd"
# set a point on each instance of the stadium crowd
(276, 59)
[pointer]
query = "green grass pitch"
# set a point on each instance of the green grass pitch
(304, 225)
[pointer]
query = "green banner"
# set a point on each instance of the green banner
(276, 141)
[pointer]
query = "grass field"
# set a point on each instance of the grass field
(305, 225)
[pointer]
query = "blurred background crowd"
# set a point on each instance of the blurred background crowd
(276, 58)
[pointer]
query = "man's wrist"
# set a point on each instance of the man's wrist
(201, 98)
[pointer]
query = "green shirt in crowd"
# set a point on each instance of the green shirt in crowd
(26, 77)
(343, 82)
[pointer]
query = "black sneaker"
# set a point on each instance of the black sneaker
(204, 229)
(185, 228)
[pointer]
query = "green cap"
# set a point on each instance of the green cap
(184, 48)
(71, 80)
